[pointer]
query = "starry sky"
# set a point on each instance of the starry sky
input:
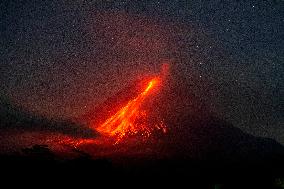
(61, 58)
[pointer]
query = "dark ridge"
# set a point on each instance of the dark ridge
(14, 117)
(39, 163)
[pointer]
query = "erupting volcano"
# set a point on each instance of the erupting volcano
(132, 119)
(129, 117)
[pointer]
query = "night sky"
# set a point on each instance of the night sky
(61, 58)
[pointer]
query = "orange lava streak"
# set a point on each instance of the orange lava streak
(127, 121)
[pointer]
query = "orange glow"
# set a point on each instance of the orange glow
(130, 119)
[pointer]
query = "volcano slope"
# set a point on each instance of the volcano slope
(197, 144)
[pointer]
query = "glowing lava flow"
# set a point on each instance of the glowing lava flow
(130, 120)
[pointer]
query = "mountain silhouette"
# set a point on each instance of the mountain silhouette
(14, 117)
(193, 131)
